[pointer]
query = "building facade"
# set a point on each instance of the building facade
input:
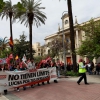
(79, 36)
(39, 50)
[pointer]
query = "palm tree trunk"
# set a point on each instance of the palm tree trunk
(11, 31)
(30, 38)
(72, 35)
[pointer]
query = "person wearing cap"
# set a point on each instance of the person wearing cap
(82, 71)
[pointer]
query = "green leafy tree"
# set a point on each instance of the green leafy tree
(91, 45)
(56, 47)
(4, 50)
(21, 47)
(3, 43)
(38, 58)
(27, 11)
(8, 11)
(2, 4)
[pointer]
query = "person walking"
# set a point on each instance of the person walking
(82, 71)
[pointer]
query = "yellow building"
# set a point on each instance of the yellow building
(39, 50)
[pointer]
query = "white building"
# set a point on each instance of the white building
(79, 35)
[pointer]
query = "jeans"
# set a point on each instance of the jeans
(89, 70)
(58, 72)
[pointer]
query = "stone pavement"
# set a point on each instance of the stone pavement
(65, 89)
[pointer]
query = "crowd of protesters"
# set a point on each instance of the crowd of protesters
(26, 64)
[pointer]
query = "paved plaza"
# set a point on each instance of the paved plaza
(65, 89)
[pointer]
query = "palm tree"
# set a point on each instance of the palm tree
(72, 34)
(27, 11)
(8, 11)
(3, 43)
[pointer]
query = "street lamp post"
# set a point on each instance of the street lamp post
(64, 52)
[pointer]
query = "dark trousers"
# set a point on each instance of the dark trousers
(83, 75)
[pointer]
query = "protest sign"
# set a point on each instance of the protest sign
(12, 79)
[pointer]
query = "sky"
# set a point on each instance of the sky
(83, 9)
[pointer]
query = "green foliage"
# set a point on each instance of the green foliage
(3, 43)
(29, 10)
(21, 46)
(91, 45)
(4, 53)
(7, 10)
(26, 12)
(3, 48)
(56, 46)
(70, 73)
(38, 59)
(2, 4)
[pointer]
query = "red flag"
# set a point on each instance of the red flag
(43, 61)
(11, 56)
(49, 58)
(11, 42)
(8, 60)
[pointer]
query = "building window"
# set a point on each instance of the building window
(48, 43)
(44, 51)
(66, 21)
(38, 49)
(48, 51)
(38, 54)
(67, 40)
(41, 54)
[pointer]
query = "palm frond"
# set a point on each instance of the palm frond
(30, 7)
(6, 9)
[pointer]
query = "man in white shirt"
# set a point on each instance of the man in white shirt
(31, 64)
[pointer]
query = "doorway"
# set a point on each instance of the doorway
(69, 60)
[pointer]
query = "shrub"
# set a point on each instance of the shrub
(70, 73)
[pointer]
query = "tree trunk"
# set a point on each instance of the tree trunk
(72, 35)
(30, 38)
(11, 31)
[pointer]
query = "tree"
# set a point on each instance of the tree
(2, 4)
(21, 46)
(27, 11)
(90, 47)
(8, 11)
(3, 43)
(5, 52)
(72, 35)
(38, 59)
(56, 46)
(3, 47)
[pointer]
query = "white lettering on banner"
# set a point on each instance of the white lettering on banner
(20, 78)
